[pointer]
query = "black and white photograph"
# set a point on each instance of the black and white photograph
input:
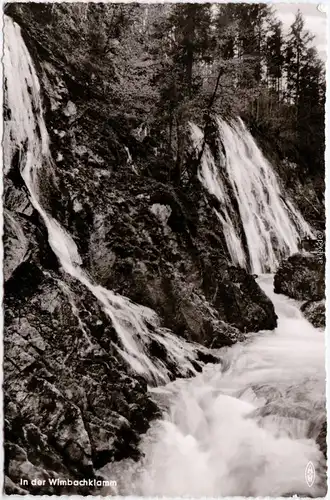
(164, 230)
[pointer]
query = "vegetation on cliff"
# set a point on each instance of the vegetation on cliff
(159, 66)
(119, 84)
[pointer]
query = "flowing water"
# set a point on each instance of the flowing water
(272, 227)
(136, 326)
(246, 426)
(210, 177)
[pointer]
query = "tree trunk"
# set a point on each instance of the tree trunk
(190, 61)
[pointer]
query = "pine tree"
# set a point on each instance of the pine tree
(297, 44)
(310, 111)
(275, 57)
(183, 47)
(193, 40)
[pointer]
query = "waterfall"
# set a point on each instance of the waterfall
(137, 327)
(245, 428)
(209, 176)
(248, 426)
(272, 227)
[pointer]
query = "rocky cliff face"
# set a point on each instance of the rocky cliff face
(302, 277)
(71, 403)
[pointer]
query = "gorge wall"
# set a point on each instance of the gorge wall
(72, 401)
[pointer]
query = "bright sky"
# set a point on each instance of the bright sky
(316, 21)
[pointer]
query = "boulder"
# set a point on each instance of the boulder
(241, 302)
(301, 277)
(322, 439)
(16, 244)
(70, 404)
(314, 311)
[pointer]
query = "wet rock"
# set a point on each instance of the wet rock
(16, 244)
(180, 304)
(223, 334)
(16, 199)
(301, 277)
(201, 322)
(322, 439)
(314, 311)
(103, 443)
(70, 109)
(241, 302)
(62, 413)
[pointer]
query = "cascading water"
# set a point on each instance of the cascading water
(247, 427)
(210, 178)
(272, 227)
(26, 131)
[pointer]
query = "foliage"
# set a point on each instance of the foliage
(168, 64)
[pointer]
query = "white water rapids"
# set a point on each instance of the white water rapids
(245, 427)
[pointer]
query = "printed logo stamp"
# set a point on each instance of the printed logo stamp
(310, 474)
